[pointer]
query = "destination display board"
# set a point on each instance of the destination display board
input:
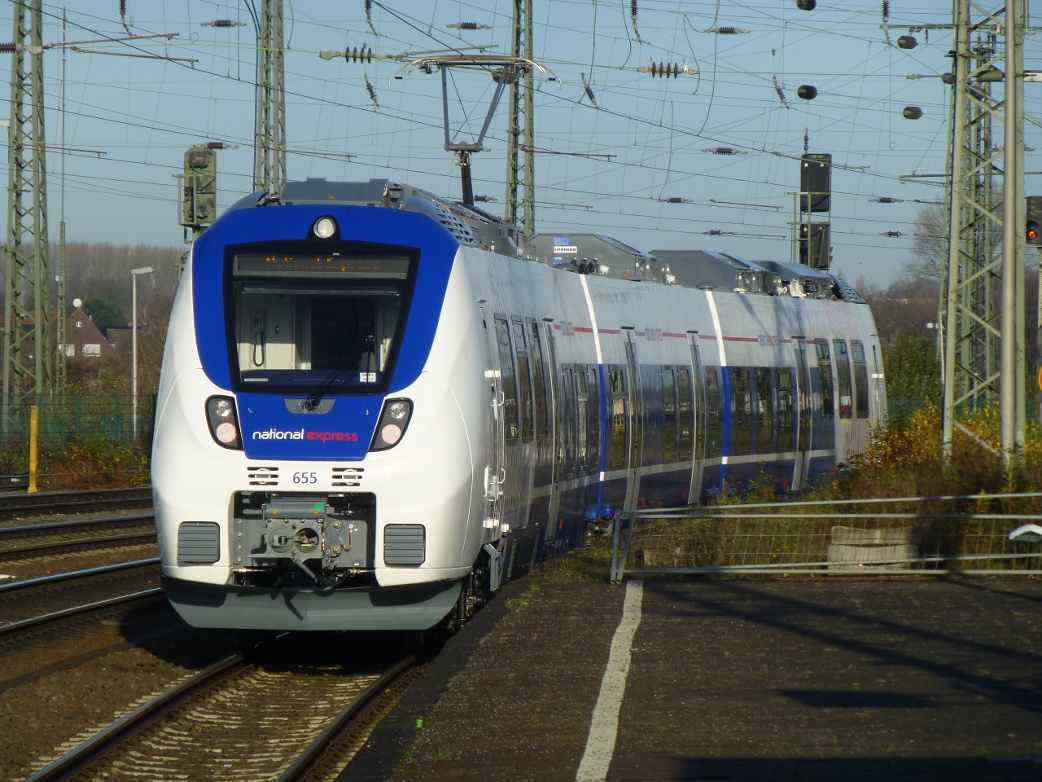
(388, 267)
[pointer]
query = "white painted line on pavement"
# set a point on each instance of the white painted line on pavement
(604, 728)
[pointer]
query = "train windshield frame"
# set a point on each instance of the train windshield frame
(307, 318)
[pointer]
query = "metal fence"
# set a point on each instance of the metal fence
(64, 417)
(906, 536)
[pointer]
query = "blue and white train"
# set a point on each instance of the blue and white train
(377, 405)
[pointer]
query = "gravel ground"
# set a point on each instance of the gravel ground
(56, 689)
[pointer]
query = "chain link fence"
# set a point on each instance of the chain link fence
(64, 417)
(967, 534)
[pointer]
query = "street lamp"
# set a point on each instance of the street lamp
(134, 274)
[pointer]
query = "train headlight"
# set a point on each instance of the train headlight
(325, 228)
(224, 423)
(394, 419)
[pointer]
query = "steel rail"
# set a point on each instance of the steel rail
(6, 589)
(11, 504)
(301, 767)
(101, 743)
(87, 608)
(73, 524)
(101, 540)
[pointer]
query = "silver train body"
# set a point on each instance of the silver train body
(376, 406)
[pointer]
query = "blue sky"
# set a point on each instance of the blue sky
(606, 166)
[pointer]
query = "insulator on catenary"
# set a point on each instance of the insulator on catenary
(887, 200)
(588, 90)
(216, 145)
(369, 15)
(724, 151)
(727, 30)
(468, 26)
(372, 92)
(676, 200)
(224, 23)
(365, 54)
(633, 17)
(891, 233)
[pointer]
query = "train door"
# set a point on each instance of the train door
(804, 414)
(697, 418)
(494, 456)
(636, 421)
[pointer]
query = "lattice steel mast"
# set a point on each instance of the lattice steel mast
(269, 171)
(520, 199)
(983, 308)
(28, 353)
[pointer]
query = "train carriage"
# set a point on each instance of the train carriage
(377, 405)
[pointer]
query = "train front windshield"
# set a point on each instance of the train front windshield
(329, 323)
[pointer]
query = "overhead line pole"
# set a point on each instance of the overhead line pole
(28, 276)
(269, 171)
(520, 199)
(984, 294)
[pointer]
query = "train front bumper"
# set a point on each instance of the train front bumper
(415, 607)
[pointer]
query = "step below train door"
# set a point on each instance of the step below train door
(495, 445)
(804, 412)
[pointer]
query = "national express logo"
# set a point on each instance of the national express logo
(303, 434)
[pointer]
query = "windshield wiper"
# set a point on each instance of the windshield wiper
(368, 347)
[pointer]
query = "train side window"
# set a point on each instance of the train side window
(742, 412)
(825, 372)
(860, 378)
(715, 446)
(669, 415)
(567, 426)
(593, 428)
(764, 411)
(686, 414)
(526, 396)
(846, 404)
(619, 418)
(581, 421)
(542, 426)
(785, 424)
(508, 377)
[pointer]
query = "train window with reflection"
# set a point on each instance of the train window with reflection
(685, 414)
(669, 415)
(508, 378)
(593, 427)
(742, 412)
(542, 426)
(581, 420)
(526, 397)
(764, 411)
(860, 378)
(846, 403)
(619, 417)
(825, 375)
(785, 423)
(567, 422)
(715, 445)
(307, 324)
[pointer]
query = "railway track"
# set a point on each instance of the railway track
(255, 721)
(40, 503)
(82, 534)
(39, 604)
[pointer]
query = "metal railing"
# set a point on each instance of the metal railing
(959, 534)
